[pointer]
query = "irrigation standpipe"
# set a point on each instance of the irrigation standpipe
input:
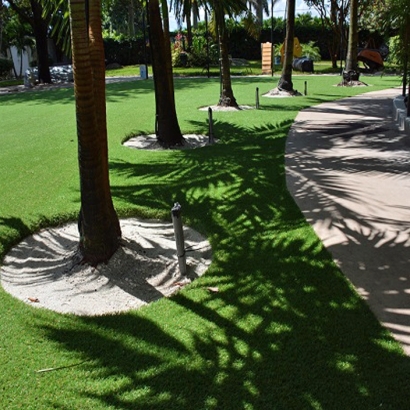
(179, 236)
(211, 126)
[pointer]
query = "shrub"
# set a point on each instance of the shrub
(311, 51)
(202, 52)
(179, 55)
(126, 51)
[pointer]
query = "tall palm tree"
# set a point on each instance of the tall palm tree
(221, 8)
(285, 82)
(351, 71)
(98, 222)
(168, 130)
(226, 98)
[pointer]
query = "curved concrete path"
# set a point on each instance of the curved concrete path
(348, 169)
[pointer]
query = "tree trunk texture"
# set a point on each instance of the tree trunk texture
(189, 30)
(99, 227)
(285, 82)
(227, 98)
(351, 71)
(40, 28)
(168, 131)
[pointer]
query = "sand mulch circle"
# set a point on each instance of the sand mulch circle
(150, 142)
(44, 269)
(227, 109)
(277, 93)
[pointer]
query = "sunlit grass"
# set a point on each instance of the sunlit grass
(285, 331)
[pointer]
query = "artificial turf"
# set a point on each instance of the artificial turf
(286, 329)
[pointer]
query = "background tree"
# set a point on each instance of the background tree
(18, 34)
(33, 13)
(186, 10)
(259, 7)
(98, 222)
(399, 14)
(122, 17)
(333, 16)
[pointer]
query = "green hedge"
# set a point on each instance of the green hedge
(126, 52)
(5, 66)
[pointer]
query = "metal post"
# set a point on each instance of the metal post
(305, 87)
(179, 237)
(144, 26)
(156, 125)
(257, 98)
(211, 126)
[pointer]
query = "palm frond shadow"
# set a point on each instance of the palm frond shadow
(333, 177)
(285, 324)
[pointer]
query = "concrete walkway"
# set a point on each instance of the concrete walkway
(348, 169)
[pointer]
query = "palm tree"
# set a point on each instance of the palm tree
(285, 82)
(220, 8)
(98, 222)
(351, 71)
(186, 10)
(168, 130)
(226, 98)
(259, 7)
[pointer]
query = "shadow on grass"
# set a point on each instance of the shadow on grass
(284, 331)
(65, 95)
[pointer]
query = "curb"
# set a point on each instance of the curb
(400, 113)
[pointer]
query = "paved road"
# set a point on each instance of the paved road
(348, 169)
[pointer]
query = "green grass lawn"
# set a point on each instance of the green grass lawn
(254, 68)
(286, 330)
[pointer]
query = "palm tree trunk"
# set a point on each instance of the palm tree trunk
(169, 133)
(227, 98)
(285, 82)
(351, 71)
(98, 223)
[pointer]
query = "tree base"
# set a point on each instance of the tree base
(170, 145)
(225, 101)
(351, 75)
(277, 92)
(352, 84)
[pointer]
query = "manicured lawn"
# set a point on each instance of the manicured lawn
(254, 68)
(285, 331)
